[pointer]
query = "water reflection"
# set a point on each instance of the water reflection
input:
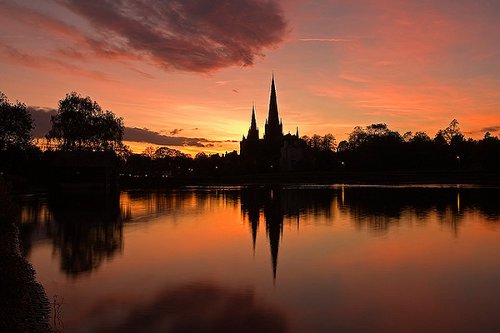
(86, 231)
(342, 258)
(374, 208)
(195, 307)
(276, 204)
(138, 205)
(380, 208)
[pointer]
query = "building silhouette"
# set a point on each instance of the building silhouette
(274, 151)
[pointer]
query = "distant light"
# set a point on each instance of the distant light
(458, 157)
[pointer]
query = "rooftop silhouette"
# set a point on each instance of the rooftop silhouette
(275, 151)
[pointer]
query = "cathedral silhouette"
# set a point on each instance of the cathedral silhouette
(275, 151)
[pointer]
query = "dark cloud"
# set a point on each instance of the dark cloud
(176, 131)
(197, 307)
(145, 135)
(41, 118)
(191, 35)
(491, 129)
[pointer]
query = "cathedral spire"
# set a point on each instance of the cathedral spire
(274, 127)
(253, 131)
(273, 105)
(253, 125)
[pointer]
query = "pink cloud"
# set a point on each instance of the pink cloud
(193, 35)
(16, 56)
(331, 40)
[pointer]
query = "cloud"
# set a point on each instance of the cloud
(330, 40)
(144, 135)
(41, 117)
(187, 35)
(215, 308)
(32, 60)
(176, 131)
(490, 129)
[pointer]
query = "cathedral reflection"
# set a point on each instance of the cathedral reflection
(85, 231)
(377, 209)
(277, 205)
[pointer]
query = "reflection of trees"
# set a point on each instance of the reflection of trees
(35, 220)
(85, 230)
(138, 204)
(379, 208)
(89, 231)
(375, 208)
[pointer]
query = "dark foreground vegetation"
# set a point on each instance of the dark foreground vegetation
(371, 154)
(24, 306)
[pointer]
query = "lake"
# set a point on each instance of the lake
(270, 259)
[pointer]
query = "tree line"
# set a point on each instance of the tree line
(81, 124)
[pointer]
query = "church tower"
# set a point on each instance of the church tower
(253, 131)
(274, 126)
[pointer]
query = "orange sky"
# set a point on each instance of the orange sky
(196, 66)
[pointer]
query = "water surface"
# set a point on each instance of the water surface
(261, 259)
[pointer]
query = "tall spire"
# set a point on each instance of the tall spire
(274, 127)
(253, 125)
(253, 131)
(273, 105)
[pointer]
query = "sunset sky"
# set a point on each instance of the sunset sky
(191, 69)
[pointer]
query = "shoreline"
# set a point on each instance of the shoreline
(24, 306)
(22, 186)
(347, 178)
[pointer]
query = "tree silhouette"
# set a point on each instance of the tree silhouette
(452, 131)
(166, 152)
(15, 125)
(81, 124)
(320, 143)
(149, 152)
(420, 137)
